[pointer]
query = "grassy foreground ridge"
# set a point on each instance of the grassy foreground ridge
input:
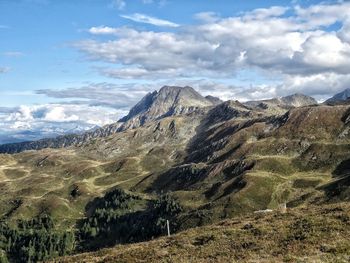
(305, 234)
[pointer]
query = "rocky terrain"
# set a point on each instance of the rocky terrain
(216, 159)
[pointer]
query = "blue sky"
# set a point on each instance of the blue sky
(85, 63)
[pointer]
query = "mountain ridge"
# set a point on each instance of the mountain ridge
(294, 100)
(341, 96)
(168, 101)
(218, 162)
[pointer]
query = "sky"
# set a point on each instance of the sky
(72, 65)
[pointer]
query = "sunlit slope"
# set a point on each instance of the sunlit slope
(222, 163)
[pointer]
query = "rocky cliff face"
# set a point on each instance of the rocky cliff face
(169, 101)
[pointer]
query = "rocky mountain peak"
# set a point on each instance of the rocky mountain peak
(168, 101)
(341, 96)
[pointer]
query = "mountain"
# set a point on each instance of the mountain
(184, 159)
(169, 101)
(213, 100)
(60, 141)
(295, 100)
(341, 96)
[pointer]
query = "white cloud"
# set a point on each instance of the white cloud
(38, 121)
(321, 86)
(324, 53)
(207, 17)
(58, 114)
(141, 18)
(344, 32)
(322, 14)
(263, 13)
(103, 30)
(287, 43)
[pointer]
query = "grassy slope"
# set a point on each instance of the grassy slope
(232, 168)
(43, 180)
(313, 233)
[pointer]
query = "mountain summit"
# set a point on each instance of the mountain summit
(341, 96)
(168, 101)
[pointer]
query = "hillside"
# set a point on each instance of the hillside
(215, 160)
(308, 234)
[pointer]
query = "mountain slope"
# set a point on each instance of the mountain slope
(302, 235)
(169, 101)
(220, 159)
(218, 162)
(341, 96)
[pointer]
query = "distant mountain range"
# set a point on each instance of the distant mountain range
(169, 101)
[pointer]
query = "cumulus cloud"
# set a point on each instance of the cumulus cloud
(267, 39)
(344, 32)
(77, 109)
(39, 121)
(141, 18)
(263, 13)
(322, 14)
(292, 43)
(207, 17)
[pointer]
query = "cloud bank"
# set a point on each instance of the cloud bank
(39, 121)
(294, 45)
